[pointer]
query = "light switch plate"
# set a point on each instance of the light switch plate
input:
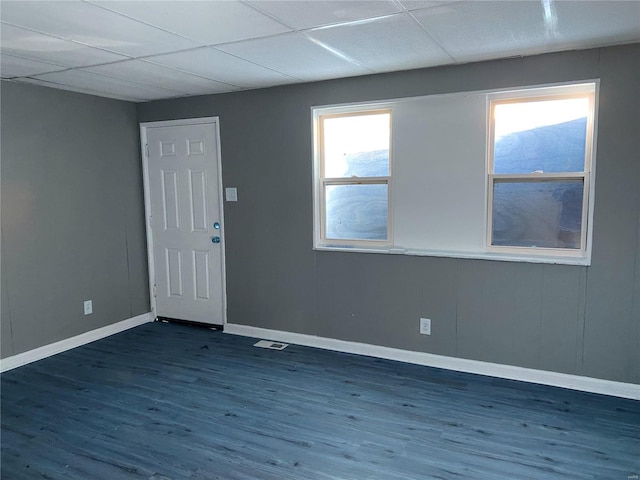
(231, 194)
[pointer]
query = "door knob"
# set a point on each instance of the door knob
(215, 239)
(216, 226)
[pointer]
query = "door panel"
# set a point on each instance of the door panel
(197, 186)
(201, 268)
(174, 272)
(184, 196)
(170, 199)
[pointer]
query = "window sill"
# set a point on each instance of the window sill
(501, 257)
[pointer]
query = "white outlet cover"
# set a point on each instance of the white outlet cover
(425, 326)
(88, 307)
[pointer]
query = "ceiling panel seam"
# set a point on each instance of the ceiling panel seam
(66, 39)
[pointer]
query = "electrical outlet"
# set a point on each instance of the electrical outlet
(88, 307)
(425, 326)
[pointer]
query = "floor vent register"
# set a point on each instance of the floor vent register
(271, 345)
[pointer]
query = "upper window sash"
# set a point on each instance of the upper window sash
(327, 134)
(529, 97)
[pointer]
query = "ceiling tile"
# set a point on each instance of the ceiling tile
(92, 25)
(11, 66)
(41, 40)
(312, 13)
(162, 77)
(390, 43)
(109, 86)
(88, 91)
(211, 63)
(207, 22)
(476, 30)
(418, 4)
(36, 46)
(585, 24)
(295, 55)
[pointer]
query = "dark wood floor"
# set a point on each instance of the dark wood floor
(175, 402)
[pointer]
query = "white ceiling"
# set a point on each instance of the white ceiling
(148, 50)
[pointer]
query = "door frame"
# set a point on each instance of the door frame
(213, 122)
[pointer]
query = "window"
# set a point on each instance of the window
(355, 171)
(538, 172)
(503, 175)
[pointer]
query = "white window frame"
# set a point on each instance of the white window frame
(541, 94)
(321, 182)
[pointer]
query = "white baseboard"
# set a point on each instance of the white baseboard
(45, 351)
(564, 380)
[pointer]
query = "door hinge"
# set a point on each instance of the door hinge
(146, 149)
(155, 291)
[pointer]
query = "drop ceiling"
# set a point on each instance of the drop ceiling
(149, 50)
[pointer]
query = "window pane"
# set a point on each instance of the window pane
(538, 214)
(540, 136)
(356, 212)
(356, 146)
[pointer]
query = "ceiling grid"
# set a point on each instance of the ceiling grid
(141, 51)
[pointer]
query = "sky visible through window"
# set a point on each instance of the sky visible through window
(521, 116)
(347, 136)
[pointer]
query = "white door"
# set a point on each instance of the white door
(183, 193)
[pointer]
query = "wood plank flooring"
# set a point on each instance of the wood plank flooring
(166, 401)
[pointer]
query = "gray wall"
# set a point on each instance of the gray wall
(568, 319)
(72, 215)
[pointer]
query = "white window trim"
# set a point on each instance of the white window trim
(583, 254)
(516, 255)
(320, 182)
